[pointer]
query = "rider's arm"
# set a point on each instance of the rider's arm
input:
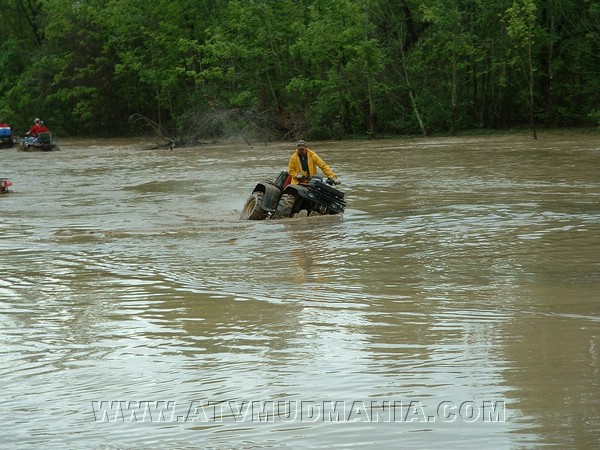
(324, 167)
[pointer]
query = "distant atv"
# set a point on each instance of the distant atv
(5, 183)
(6, 136)
(277, 199)
(44, 142)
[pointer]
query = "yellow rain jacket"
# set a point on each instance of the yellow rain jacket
(314, 161)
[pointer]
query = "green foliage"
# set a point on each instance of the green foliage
(285, 68)
(595, 116)
(10, 63)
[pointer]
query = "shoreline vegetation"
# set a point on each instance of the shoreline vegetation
(150, 142)
(195, 72)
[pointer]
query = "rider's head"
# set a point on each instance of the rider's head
(301, 147)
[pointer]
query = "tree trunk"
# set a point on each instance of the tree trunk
(412, 97)
(371, 111)
(454, 95)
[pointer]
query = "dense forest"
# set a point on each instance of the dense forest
(280, 69)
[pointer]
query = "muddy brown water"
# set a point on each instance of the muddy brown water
(456, 303)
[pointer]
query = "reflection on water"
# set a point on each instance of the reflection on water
(455, 303)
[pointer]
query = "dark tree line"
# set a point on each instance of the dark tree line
(276, 69)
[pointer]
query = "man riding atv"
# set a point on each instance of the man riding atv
(299, 192)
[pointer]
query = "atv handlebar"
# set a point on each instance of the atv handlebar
(329, 181)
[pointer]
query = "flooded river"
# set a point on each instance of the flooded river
(455, 304)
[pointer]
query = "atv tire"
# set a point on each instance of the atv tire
(285, 206)
(253, 209)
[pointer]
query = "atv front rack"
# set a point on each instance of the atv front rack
(323, 194)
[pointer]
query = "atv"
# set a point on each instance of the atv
(44, 142)
(5, 183)
(6, 136)
(278, 199)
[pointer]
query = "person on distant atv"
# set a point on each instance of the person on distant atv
(303, 165)
(37, 128)
(43, 128)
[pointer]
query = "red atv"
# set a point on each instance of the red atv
(5, 183)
